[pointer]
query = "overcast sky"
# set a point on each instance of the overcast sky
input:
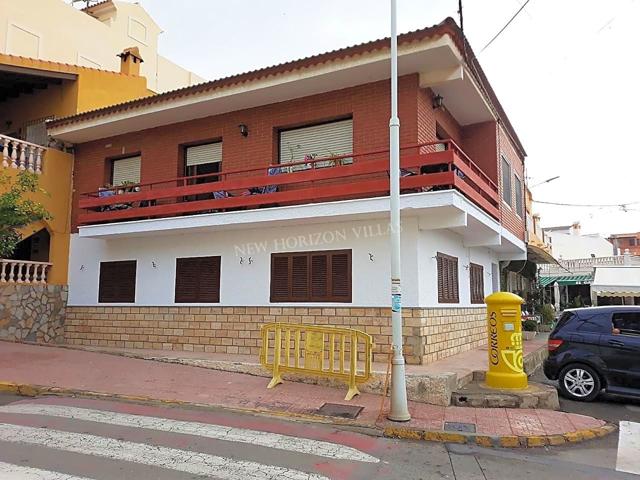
(566, 72)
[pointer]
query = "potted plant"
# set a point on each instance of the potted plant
(548, 318)
(529, 329)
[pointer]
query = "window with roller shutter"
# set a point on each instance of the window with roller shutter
(476, 279)
(197, 280)
(323, 276)
(126, 170)
(117, 282)
(447, 278)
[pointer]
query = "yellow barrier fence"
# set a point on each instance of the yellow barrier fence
(331, 352)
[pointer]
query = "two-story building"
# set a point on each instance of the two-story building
(203, 213)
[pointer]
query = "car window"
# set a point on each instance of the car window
(600, 323)
(564, 320)
(627, 322)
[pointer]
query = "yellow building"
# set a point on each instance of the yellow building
(31, 92)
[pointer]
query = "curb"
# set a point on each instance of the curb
(501, 441)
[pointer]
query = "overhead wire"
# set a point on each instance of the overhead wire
(506, 25)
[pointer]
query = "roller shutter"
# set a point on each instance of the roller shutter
(201, 154)
(126, 170)
(325, 140)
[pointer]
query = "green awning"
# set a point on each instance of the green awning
(566, 279)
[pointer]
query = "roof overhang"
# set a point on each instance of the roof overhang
(437, 55)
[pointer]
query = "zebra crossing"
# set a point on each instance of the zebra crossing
(188, 449)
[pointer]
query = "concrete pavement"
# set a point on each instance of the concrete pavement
(95, 374)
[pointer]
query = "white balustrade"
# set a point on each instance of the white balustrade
(21, 155)
(23, 271)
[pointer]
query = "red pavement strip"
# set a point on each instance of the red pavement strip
(35, 370)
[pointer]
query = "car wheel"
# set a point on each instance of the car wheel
(579, 382)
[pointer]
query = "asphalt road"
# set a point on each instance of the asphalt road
(71, 439)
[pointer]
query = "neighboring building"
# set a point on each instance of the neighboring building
(569, 243)
(623, 242)
(55, 31)
(263, 197)
(32, 91)
(521, 276)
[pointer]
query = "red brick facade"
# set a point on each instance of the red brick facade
(510, 219)
(161, 148)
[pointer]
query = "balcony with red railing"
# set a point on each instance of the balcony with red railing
(427, 167)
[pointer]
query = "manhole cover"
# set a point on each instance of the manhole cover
(338, 410)
(459, 427)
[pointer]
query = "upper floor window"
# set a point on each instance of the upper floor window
(203, 161)
(506, 181)
(311, 276)
(125, 170)
(117, 282)
(316, 141)
(517, 183)
(447, 279)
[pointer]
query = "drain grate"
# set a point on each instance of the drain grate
(459, 427)
(339, 410)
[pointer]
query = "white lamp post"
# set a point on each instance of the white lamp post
(399, 410)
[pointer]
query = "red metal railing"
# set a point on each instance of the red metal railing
(358, 175)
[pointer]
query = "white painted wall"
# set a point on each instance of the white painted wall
(570, 246)
(247, 284)
(430, 242)
(53, 30)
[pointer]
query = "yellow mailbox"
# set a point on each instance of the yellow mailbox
(504, 324)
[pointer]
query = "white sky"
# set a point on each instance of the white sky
(566, 72)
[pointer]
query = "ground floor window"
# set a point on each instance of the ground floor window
(448, 291)
(117, 282)
(323, 276)
(476, 279)
(197, 280)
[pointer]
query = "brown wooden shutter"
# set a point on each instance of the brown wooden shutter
(319, 276)
(197, 280)
(476, 277)
(341, 277)
(117, 282)
(280, 278)
(311, 276)
(447, 278)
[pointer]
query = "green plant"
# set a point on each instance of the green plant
(16, 209)
(548, 314)
(577, 302)
(530, 326)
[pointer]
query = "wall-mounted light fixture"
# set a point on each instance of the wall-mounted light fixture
(437, 101)
(244, 130)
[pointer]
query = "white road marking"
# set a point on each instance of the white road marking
(628, 448)
(218, 432)
(19, 472)
(194, 463)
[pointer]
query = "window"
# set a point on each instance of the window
(311, 276)
(447, 279)
(203, 160)
(627, 322)
(476, 278)
(317, 141)
(506, 181)
(518, 191)
(125, 170)
(197, 280)
(117, 282)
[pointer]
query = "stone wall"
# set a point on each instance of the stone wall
(34, 313)
(429, 334)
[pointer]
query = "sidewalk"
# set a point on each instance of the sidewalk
(97, 374)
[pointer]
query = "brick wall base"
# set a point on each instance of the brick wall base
(429, 333)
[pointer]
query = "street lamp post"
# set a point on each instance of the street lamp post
(399, 410)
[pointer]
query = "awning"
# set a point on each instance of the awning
(539, 255)
(622, 281)
(565, 280)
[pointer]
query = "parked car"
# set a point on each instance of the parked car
(596, 348)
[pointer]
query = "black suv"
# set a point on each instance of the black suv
(596, 348)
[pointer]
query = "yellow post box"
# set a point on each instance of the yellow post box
(504, 324)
